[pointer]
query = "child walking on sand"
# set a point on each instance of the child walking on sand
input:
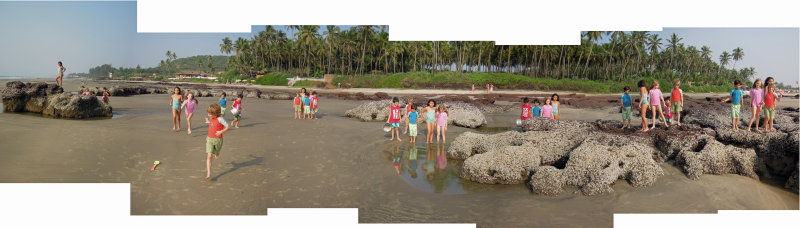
(625, 101)
(656, 101)
(556, 107)
(216, 127)
(644, 104)
(769, 107)
(536, 110)
(736, 103)
(441, 123)
(412, 117)
(105, 95)
(526, 109)
(314, 104)
(430, 119)
(394, 118)
(677, 102)
(175, 103)
(297, 103)
(757, 103)
(409, 106)
(188, 105)
(60, 77)
(237, 105)
(223, 103)
(547, 109)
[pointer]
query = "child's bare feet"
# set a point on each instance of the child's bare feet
(190, 131)
(216, 156)
(759, 131)
(208, 176)
(399, 140)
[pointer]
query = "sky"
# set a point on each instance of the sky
(36, 35)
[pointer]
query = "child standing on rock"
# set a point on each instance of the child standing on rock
(536, 110)
(216, 127)
(656, 101)
(526, 110)
(556, 107)
(429, 114)
(757, 103)
(625, 101)
(644, 104)
(105, 95)
(736, 103)
(547, 109)
(394, 118)
(677, 102)
(188, 105)
(441, 122)
(769, 107)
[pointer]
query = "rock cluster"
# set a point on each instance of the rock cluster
(49, 100)
(459, 113)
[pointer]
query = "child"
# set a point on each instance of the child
(306, 106)
(189, 104)
(237, 104)
(677, 102)
(430, 119)
(314, 104)
(223, 103)
(625, 101)
(644, 103)
(105, 95)
(175, 103)
(412, 117)
(547, 109)
(409, 106)
(556, 108)
(297, 104)
(669, 114)
(86, 92)
(757, 103)
(537, 111)
(656, 100)
(216, 127)
(526, 109)
(441, 122)
(769, 107)
(394, 118)
(60, 77)
(736, 103)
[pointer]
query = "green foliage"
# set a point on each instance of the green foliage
(229, 76)
(273, 79)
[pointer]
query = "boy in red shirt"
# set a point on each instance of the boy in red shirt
(216, 127)
(526, 109)
(394, 118)
(297, 104)
(677, 101)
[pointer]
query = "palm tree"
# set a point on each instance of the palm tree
(307, 36)
(724, 58)
(653, 44)
(226, 46)
(366, 30)
(673, 43)
(591, 36)
(737, 55)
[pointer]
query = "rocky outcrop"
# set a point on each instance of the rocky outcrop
(712, 157)
(49, 100)
(459, 113)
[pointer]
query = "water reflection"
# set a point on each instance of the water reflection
(427, 168)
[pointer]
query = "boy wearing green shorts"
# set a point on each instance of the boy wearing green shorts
(307, 107)
(625, 101)
(216, 127)
(412, 124)
(677, 101)
(736, 103)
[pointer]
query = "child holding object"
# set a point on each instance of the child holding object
(394, 118)
(216, 127)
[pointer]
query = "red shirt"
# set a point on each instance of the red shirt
(395, 115)
(237, 104)
(213, 126)
(676, 95)
(296, 100)
(408, 108)
(526, 111)
(769, 100)
(314, 102)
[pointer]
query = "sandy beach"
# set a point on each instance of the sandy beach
(274, 161)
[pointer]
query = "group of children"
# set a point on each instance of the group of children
(106, 94)
(760, 99)
(433, 116)
(305, 105)
(550, 109)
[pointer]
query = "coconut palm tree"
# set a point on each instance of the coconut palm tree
(226, 46)
(737, 55)
(724, 59)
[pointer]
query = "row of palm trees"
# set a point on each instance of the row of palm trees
(366, 49)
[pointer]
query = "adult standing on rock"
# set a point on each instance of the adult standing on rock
(59, 78)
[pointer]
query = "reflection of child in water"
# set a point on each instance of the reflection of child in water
(441, 160)
(396, 158)
(430, 161)
(411, 161)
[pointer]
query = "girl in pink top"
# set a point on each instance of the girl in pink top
(757, 95)
(656, 101)
(441, 122)
(547, 109)
(188, 105)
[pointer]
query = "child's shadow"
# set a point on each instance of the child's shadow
(236, 166)
(253, 124)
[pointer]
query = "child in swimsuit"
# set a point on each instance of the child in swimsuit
(189, 105)
(105, 95)
(441, 122)
(60, 77)
(175, 104)
(556, 109)
(756, 102)
(643, 104)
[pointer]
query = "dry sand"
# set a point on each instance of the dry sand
(274, 161)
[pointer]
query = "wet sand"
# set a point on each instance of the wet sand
(274, 161)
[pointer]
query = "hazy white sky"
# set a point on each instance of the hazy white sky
(36, 35)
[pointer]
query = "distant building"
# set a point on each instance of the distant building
(190, 74)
